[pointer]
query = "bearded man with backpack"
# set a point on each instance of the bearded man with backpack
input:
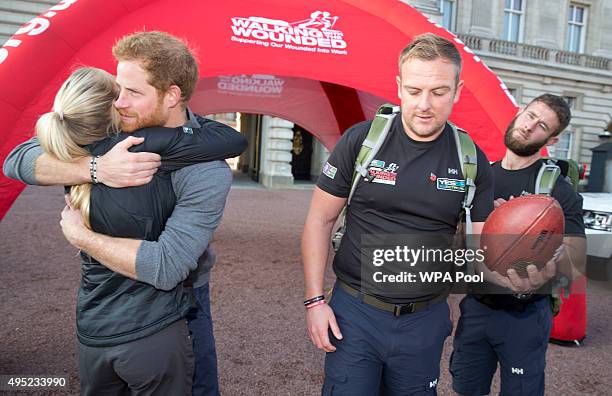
(513, 329)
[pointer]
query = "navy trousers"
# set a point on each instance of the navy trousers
(381, 354)
(205, 381)
(517, 340)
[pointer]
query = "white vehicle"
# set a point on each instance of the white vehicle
(597, 214)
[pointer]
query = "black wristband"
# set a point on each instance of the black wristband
(314, 299)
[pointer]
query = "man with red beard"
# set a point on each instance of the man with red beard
(156, 74)
(513, 329)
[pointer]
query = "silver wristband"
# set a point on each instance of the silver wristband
(93, 169)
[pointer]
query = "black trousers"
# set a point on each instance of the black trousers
(160, 364)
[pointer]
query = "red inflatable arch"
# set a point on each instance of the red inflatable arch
(323, 64)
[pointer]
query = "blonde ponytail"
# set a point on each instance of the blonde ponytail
(82, 114)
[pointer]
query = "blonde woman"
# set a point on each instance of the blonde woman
(84, 123)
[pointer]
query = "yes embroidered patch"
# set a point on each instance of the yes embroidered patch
(450, 184)
(329, 170)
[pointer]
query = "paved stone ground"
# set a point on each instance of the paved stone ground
(256, 292)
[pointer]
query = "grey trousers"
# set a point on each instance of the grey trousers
(160, 364)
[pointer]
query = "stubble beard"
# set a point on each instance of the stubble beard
(154, 119)
(519, 148)
(425, 132)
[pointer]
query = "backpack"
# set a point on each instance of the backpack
(545, 182)
(551, 170)
(466, 151)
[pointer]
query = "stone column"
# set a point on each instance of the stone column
(549, 27)
(277, 142)
(319, 157)
(599, 33)
(431, 8)
(485, 19)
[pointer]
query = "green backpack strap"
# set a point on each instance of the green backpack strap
(545, 182)
(547, 177)
(369, 148)
(466, 151)
(371, 145)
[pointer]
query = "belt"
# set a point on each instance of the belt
(395, 309)
(496, 303)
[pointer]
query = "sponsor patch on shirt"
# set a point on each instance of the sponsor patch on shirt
(377, 164)
(187, 130)
(329, 170)
(447, 184)
(383, 174)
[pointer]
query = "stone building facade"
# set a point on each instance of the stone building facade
(535, 46)
(14, 13)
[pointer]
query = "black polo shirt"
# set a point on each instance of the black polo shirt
(522, 182)
(407, 196)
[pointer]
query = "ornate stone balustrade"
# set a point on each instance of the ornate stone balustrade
(494, 46)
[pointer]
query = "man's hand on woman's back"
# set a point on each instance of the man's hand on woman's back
(121, 168)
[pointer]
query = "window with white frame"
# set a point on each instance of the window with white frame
(448, 11)
(513, 20)
(576, 28)
(563, 148)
